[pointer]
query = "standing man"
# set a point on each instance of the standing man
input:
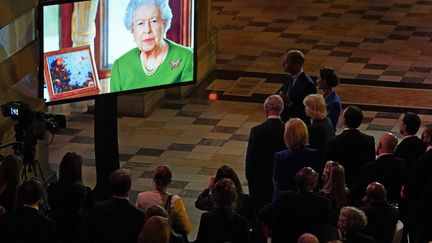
(387, 169)
(296, 88)
(352, 148)
(265, 140)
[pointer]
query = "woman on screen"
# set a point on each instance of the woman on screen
(156, 60)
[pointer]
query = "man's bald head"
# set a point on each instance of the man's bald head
(375, 192)
(387, 143)
(307, 238)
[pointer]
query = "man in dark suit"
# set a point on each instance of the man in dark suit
(419, 176)
(296, 88)
(387, 169)
(382, 217)
(352, 148)
(410, 148)
(265, 140)
(116, 220)
(295, 213)
(26, 224)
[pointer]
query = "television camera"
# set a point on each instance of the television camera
(30, 127)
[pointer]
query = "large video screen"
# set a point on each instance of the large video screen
(111, 46)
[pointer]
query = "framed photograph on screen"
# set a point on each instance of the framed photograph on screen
(70, 73)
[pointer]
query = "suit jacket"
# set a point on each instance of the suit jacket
(115, 220)
(357, 237)
(382, 220)
(27, 225)
(420, 175)
(303, 87)
(264, 141)
(388, 170)
(288, 162)
(295, 213)
(423, 219)
(334, 108)
(410, 149)
(218, 226)
(352, 149)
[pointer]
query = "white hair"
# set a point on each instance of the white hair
(135, 4)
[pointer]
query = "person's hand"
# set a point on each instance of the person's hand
(211, 182)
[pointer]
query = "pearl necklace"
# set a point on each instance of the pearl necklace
(150, 71)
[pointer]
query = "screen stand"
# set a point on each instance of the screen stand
(106, 144)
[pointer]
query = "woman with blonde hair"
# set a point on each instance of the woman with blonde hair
(334, 184)
(321, 128)
(155, 230)
(288, 162)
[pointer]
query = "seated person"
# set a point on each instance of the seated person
(297, 212)
(116, 219)
(382, 217)
(26, 224)
(157, 210)
(351, 222)
(156, 230)
(223, 224)
(243, 205)
(172, 203)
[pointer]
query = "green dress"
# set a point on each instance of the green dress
(127, 72)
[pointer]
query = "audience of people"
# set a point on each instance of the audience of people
(288, 202)
(223, 224)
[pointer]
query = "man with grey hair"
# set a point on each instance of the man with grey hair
(387, 169)
(265, 140)
(297, 86)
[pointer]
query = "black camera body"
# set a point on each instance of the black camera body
(31, 122)
(16, 110)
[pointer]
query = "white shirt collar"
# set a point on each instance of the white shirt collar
(347, 128)
(383, 154)
(273, 116)
(408, 136)
(295, 76)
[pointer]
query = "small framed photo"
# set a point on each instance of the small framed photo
(70, 73)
